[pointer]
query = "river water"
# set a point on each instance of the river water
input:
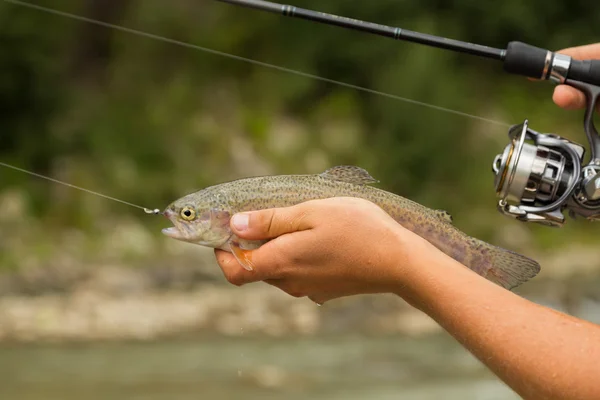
(250, 368)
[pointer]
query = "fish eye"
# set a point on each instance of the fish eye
(188, 213)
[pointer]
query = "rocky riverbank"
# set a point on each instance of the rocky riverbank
(113, 304)
(109, 302)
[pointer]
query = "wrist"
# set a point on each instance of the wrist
(410, 256)
(421, 265)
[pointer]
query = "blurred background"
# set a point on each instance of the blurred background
(96, 303)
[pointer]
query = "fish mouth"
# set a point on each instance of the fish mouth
(173, 232)
(180, 231)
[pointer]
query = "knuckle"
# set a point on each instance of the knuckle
(269, 223)
(278, 221)
(298, 219)
(234, 277)
(265, 221)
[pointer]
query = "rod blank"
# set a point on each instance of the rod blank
(377, 29)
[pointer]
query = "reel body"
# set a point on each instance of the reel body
(540, 176)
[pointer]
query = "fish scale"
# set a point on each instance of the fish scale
(213, 207)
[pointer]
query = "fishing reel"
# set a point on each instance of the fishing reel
(539, 176)
(538, 181)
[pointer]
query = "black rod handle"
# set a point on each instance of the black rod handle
(535, 62)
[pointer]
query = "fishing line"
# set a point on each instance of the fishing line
(223, 54)
(239, 58)
(146, 210)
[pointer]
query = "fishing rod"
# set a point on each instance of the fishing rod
(538, 176)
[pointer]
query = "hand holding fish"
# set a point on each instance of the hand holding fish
(325, 249)
(330, 235)
(368, 218)
(330, 248)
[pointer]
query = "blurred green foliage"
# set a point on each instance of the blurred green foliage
(148, 121)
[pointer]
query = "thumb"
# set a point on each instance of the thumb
(588, 51)
(270, 223)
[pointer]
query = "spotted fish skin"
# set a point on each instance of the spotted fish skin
(213, 207)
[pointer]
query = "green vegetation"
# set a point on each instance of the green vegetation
(148, 121)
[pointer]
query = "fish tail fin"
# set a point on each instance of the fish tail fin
(504, 267)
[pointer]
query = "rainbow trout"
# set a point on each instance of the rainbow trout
(203, 217)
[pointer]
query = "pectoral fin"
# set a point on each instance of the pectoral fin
(244, 257)
(242, 250)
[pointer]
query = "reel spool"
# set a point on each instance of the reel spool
(539, 176)
(534, 181)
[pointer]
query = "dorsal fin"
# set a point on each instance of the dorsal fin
(349, 174)
(444, 216)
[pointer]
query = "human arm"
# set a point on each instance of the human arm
(537, 351)
(331, 248)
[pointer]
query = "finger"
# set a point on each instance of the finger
(568, 97)
(317, 300)
(585, 52)
(271, 223)
(286, 286)
(235, 273)
(284, 257)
